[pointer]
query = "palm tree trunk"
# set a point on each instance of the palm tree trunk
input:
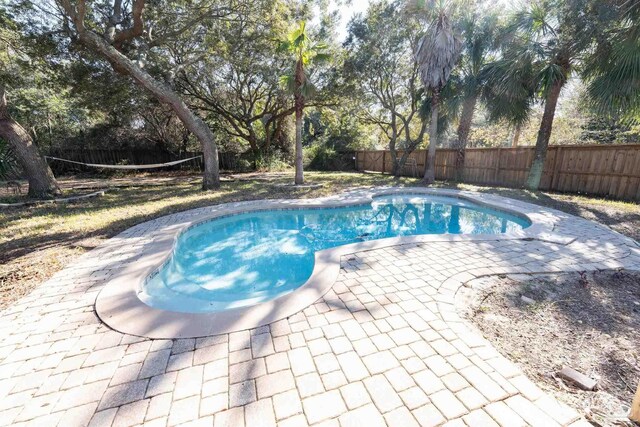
(299, 107)
(516, 136)
(299, 179)
(464, 127)
(430, 167)
(544, 133)
(42, 183)
(164, 94)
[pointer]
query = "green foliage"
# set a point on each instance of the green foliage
(479, 25)
(304, 53)
(298, 43)
(381, 76)
(36, 76)
(8, 164)
(337, 128)
(321, 157)
(605, 130)
(547, 41)
(235, 84)
(612, 71)
(330, 137)
(272, 162)
(235, 63)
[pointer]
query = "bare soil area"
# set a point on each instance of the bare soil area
(587, 321)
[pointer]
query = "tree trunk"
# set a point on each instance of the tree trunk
(396, 168)
(430, 167)
(299, 107)
(405, 155)
(299, 178)
(516, 136)
(164, 94)
(42, 183)
(395, 163)
(468, 107)
(399, 164)
(544, 133)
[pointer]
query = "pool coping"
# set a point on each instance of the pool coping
(119, 306)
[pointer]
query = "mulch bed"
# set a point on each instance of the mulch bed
(587, 321)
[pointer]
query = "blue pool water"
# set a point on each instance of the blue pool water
(253, 257)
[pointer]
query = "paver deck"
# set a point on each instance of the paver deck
(385, 346)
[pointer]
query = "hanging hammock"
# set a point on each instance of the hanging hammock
(129, 167)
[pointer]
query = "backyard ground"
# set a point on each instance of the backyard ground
(37, 241)
(587, 321)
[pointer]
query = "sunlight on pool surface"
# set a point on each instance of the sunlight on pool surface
(254, 257)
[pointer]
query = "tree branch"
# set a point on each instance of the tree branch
(136, 29)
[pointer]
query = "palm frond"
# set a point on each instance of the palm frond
(8, 163)
(308, 89)
(510, 90)
(548, 76)
(438, 52)
(288, 82)
(298, 44)
(283, 46)
(613, 75)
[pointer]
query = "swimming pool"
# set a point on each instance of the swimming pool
(249, 258)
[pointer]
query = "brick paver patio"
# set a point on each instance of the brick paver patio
(385, 346)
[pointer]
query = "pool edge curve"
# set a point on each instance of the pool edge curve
(119, 306)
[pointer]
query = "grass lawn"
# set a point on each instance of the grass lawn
(37, 241)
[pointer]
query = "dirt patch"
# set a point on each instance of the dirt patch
(589, 322)
(20, 277)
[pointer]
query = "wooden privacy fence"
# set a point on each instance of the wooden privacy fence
(604, 170)
(227, 161)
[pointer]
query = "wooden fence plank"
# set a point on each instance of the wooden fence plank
(604, 170)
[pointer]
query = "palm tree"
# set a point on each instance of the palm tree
(479, 30)
(544, 44)
(437, 53)
(298, 44)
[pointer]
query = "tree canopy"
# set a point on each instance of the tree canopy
(178, 76)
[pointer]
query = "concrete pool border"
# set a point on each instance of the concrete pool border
(119, 306)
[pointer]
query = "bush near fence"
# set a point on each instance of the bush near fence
(603, 170)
